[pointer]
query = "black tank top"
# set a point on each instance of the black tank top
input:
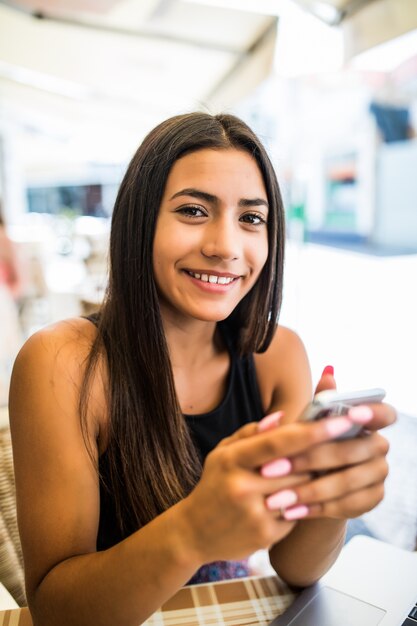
(241, 404)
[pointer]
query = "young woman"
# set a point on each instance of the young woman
(157, 443)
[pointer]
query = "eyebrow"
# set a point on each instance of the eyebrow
(208, 197)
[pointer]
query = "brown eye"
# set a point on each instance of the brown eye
(191, 211)
(253, 218)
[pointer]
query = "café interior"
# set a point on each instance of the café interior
(331, 88)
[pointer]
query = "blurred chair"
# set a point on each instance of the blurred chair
(11, 559)
(7, 601)
(11, 339)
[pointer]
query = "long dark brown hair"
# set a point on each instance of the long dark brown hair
(152, 461)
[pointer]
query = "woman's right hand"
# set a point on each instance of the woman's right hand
(226, 515)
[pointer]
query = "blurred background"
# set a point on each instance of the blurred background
(329, 85)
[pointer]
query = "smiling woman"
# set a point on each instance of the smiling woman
(156, 443)
(220, 226)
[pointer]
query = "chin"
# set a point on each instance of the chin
(211, 316)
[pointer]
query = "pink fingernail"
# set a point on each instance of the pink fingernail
(281, 499)
(338, 425)
(270, 421)
(297, 512)
(280, 467)
(361, 414)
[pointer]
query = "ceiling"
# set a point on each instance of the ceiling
(121, 66)
(365, 23)
(93, 76)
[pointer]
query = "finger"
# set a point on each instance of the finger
(350, 506)
(383, 415)
(248, 430)
(327, 380)
(313, 497)
(339, 484)
(270, 421)
(247, 484)
(294, 513)
(270, 486)
(285, 441)
(329, 456)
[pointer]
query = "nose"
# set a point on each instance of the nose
(221, 240)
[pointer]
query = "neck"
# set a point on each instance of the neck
(192, 343)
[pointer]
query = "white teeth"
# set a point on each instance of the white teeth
(211, 278)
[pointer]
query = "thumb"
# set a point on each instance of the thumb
(327, 380)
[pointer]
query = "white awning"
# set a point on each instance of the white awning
(124, 65)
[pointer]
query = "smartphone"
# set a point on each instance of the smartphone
(332, 402)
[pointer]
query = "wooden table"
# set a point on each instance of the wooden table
(240, 602)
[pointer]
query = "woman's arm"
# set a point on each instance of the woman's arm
(309, 551)
(355, 485)
(285, 380)
(348, 481)
(68, 582)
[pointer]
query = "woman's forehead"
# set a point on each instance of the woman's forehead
(216, 167)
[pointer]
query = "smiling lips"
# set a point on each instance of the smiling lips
(214, 279)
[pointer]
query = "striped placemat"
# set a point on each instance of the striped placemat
(243, 602)
(15, 617)
(253, 601)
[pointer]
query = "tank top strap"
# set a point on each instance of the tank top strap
(93, 318)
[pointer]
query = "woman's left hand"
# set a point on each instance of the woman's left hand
(349, 474)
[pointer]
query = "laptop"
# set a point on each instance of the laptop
(372, 583)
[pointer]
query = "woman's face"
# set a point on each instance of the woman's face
(211, 239)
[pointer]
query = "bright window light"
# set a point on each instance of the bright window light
(387, 56)
(262, 7)
(305, 45)
(39, 80)
(326, 12)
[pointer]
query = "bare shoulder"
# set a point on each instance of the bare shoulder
(286, 348)
(284, 341)
(283, 372)
(52, 362)
(56, 477)
(72, 337)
